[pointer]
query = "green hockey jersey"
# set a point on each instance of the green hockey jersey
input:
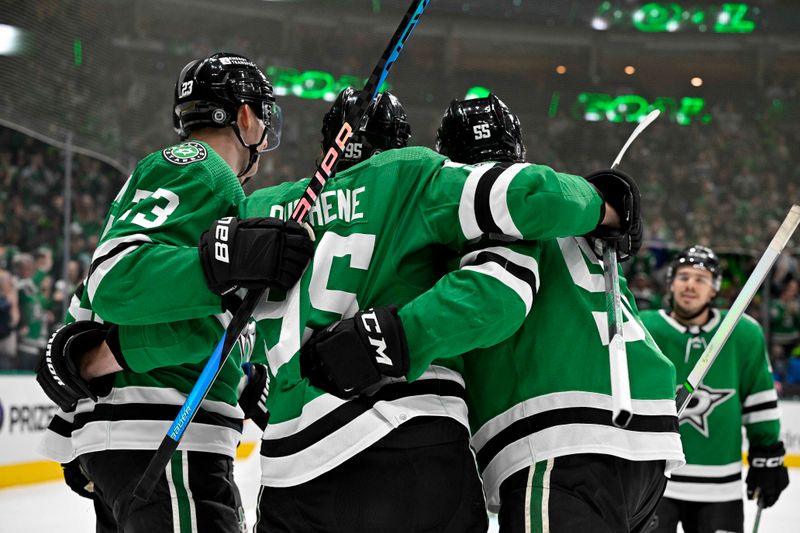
(546, 391)
(146, 277)
(385, 230)
(737, 390)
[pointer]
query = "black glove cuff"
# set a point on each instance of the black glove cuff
(602, 205)
(112, 340)
(766, 456)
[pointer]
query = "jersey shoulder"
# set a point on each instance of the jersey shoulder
(186, 164)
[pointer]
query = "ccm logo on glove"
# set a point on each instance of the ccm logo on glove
(767, 462)
(371, 325)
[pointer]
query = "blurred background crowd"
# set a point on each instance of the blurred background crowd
(718, 168)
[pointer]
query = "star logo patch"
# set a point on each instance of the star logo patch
(703, 402)
(186, 153)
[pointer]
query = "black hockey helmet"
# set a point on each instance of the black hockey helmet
(698, 257)
(385, 126)
(480, 129)
(210, 91)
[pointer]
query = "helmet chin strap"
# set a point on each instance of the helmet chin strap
(252, 148)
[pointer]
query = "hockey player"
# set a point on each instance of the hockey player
(539, 402)
(706, 494)
(386, 128)
(120, 386)
(345, 454)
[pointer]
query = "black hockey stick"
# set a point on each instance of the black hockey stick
(323, 173)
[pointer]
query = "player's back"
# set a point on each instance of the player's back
(545, 392)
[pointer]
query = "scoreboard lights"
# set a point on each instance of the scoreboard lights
(656, 17)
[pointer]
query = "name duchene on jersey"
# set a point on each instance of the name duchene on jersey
(341, 205)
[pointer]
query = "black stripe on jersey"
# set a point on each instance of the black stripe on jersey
(760, 407)
(144, 411)
(524, 274)
(80, 289)
(114, 251)
(60, 426)
(347, 412)
(572, 415)
(483, 196)
(704, 479)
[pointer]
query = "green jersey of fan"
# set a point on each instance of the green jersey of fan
(385, 230)
(146, 277)
(738, 390)
(546, 391)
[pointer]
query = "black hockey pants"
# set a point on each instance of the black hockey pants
(582, 493)
(421, 478)
(195, 494)
(698, 517)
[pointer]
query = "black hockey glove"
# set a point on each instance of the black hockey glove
(356, 355)
(767, 473)
(621, 192)
(254, 253)
(76, 479)
(58, 371)
(253, 398)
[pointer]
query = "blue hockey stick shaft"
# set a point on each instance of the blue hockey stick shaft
(325, 170)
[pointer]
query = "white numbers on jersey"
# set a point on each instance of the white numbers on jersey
(359, 247)
(481, 131)
(353, 150)
(160, 213)
(576, 253)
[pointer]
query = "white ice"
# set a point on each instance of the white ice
(48, 507)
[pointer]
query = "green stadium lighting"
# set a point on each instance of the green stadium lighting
(77, 52)
(477, 92)
(660, 17)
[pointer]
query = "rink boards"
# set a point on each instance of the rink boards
(25, 412)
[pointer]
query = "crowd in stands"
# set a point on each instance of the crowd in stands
(726, 184)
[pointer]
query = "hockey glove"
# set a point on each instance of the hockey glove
(767, 473)
(621, 192)
(357, 355)
(253, 398)
(254, 253)
(76, 479)
(58, 372)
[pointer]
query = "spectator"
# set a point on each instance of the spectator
(9, 317)
(33, 327)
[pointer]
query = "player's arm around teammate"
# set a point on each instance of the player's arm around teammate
(152, 311)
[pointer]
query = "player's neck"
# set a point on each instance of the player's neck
(224, 142)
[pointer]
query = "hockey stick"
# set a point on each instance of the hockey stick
(617, 352)
(324, 171)
(757, 497)
(737, 309)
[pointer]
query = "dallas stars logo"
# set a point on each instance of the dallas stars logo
(185, 153)
(703, 402)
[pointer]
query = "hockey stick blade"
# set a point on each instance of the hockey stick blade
(738, 307)
(323, 173)
(621, 403)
